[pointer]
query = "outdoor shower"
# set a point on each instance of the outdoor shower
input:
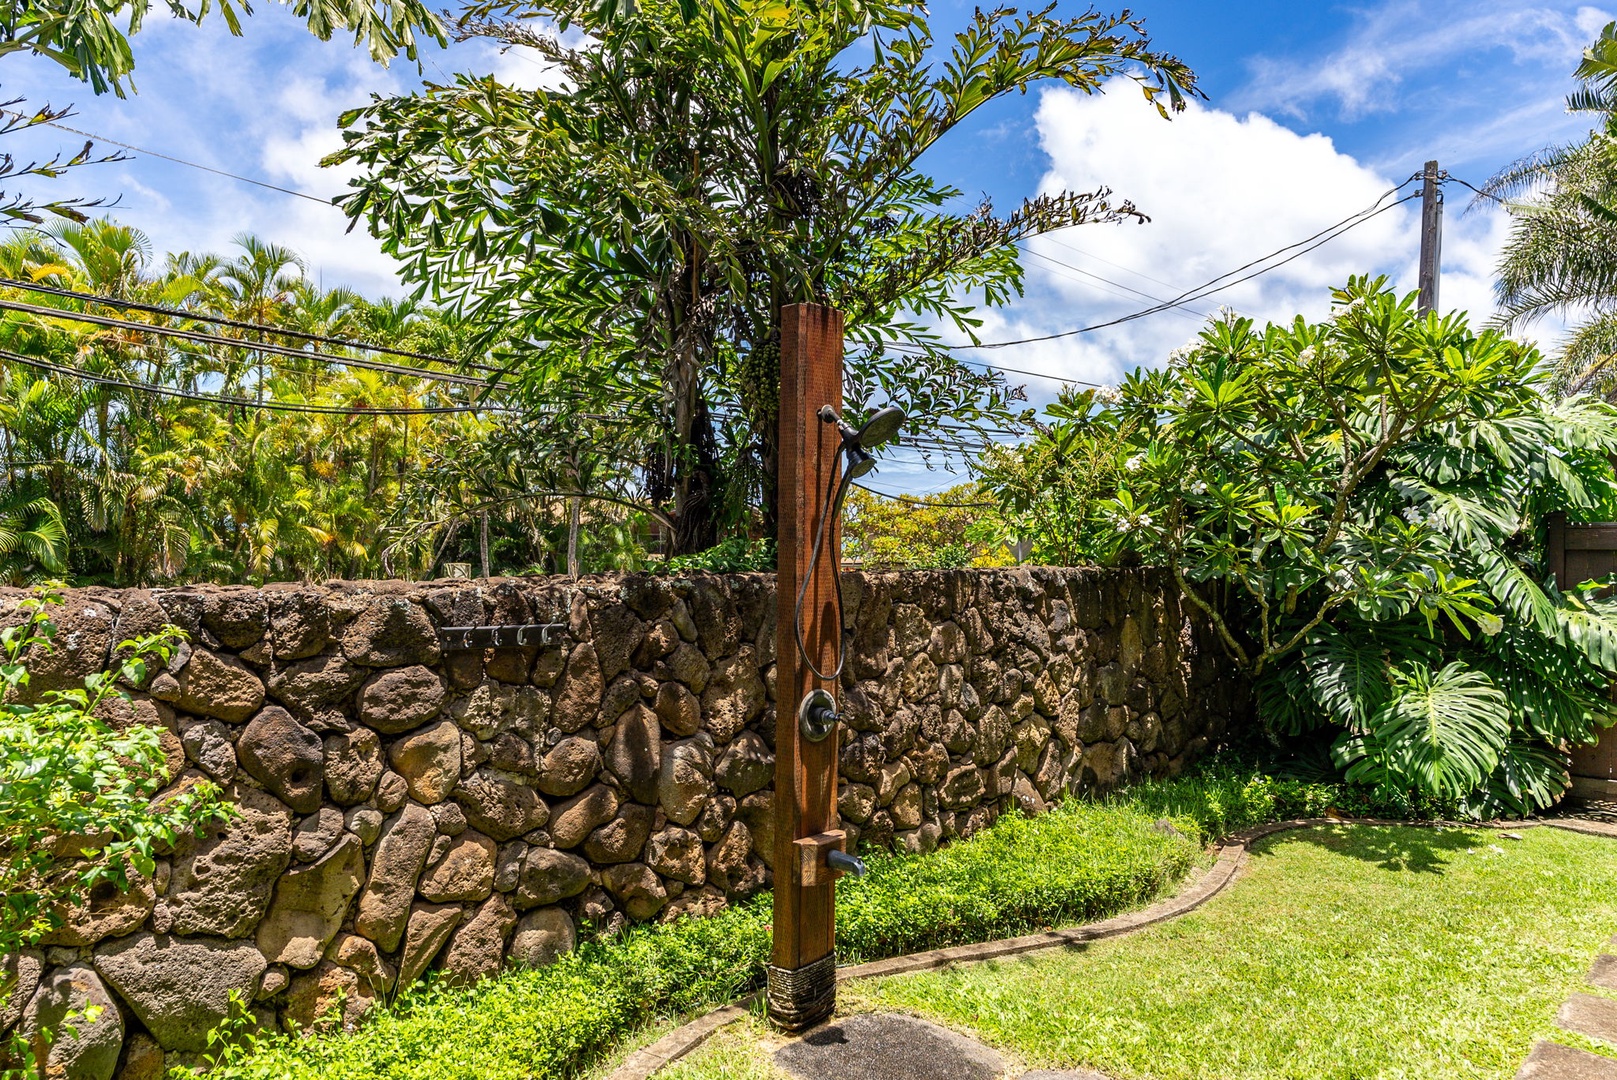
(817, 713)
(820, 457)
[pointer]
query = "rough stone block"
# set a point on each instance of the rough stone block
(180, 987)
(89, 1051)
(391, 632)
(309, 905)
(284, 756)
(221, 881)
(400, 854)
(401, 699)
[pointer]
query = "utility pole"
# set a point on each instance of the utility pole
(1431, 237)
(802, 970)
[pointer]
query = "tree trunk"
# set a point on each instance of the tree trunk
(574, 506)
(482, 542)
(693, 469)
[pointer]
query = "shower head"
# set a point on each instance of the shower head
(879, 429)
(856, 449)
(882, 426)
(860, 462)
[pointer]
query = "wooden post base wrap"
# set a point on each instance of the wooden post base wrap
(802, 972)
(799, 998)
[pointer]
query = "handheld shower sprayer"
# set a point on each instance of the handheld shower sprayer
(858, 461)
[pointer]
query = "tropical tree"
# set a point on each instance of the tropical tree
(91, 40)
(636, 233)
(146, 476)
(950, 529)
(1559, 259)
(33, 539)
(1356, 506)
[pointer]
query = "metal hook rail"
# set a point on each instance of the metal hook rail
(512, 636)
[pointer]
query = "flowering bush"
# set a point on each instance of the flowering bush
(1357, 504)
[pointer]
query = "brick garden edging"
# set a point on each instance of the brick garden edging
(647, 1061)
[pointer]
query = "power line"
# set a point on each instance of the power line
(170, 157)
(1186, 312)
(1055, 238)
(201, 338)
(235, 324)
(922, 501)
(1444, 177)
(248, 403)
(1220, 283)
(269, 347)
(1023, 371)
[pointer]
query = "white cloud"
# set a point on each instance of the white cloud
(1221, 191)
(1406, 39)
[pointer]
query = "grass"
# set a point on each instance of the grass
(1343, 953)
(1081, 861)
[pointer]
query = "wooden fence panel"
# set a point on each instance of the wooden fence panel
(1579, 553)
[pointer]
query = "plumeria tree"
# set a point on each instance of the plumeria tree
(1356, 505)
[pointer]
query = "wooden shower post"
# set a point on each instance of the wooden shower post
(802, 970)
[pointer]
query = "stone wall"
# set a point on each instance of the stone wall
(403, 807)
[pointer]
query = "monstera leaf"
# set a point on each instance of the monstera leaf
(1442, 733)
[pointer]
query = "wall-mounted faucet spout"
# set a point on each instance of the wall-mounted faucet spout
(841, 860)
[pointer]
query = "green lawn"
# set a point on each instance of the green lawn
(1342, 952)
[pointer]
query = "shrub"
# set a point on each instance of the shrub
(74, 793)
(735, 555)
(930, 532)
(1081, 861)
(1078, 862)
(1357, 504)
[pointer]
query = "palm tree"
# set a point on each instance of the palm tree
(1561, 258)
(33, 539)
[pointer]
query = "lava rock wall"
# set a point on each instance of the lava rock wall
(405, 807)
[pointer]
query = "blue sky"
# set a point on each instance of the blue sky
(1314, 109)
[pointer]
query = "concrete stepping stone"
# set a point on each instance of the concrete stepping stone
(886, 1047)
(1603, 972)
(1551, 1061)
(1588, 1015)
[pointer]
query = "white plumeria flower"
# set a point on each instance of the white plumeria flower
(1108, 395)
(1356, 304)
(1307, 355)
(1133, 464)
(1198, 488)
(1145, 520)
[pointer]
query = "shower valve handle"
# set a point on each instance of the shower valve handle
(817, 715)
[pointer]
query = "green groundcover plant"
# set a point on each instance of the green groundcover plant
(1081, 861)
(1358, 506)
